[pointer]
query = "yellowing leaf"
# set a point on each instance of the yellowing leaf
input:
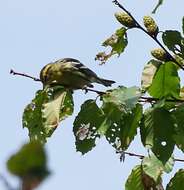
(148, 73)
(154, 167)
(55, 110)
(46, 110)
(182, 93)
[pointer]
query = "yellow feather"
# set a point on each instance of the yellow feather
(44, 72)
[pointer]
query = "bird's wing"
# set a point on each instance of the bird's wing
(80, 67)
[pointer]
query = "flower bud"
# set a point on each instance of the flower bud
(159, 54)
(150, 25)
(125, 19)
(179, 59)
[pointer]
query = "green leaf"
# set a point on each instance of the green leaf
(125, 98)
(29, 161)
(182, 93)
(146, 129)
(166, 82)
(183, 25)
(121, 43)
(163, 103)
(168, 167)
(140, 181)
(32, 117)
(157, 132)
(160, 2)
(86, 126)
(177, 182)
(131, 123)
(122, 116)
(178, 113)
(117, 119)
(117, 42)
(148, 73)
(67, 106)
(47, 109)
(171, 39)
(121, 127)
(154, 167)
(134, 180)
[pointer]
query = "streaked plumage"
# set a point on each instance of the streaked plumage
(70, 73)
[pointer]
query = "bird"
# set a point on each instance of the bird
(70, 73)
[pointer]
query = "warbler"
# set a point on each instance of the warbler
(70, 73)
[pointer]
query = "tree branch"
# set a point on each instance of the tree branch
(36, 79)
(140, 156)
(142, 98)
(137, 25)
(134, 155)
(24, 75)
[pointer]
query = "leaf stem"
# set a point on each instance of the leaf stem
(137, 25)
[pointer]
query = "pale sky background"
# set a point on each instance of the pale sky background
(36, 32)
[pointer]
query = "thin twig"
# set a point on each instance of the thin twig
(135, 155)
(137, 25)
(142, 98)
(36, 79)
(178, 160)
(6, 183)
(140, 156)
(150, 100)
(96, 91)
(24, 75)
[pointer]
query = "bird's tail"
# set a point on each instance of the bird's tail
(105, 82)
